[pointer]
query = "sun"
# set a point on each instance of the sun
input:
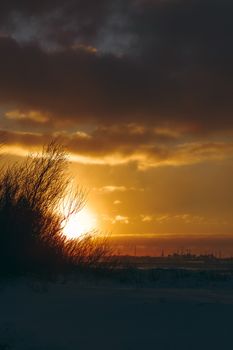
(80, 223)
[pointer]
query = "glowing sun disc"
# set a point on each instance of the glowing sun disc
(79, 224)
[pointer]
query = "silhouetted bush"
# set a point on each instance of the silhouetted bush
(31, 222)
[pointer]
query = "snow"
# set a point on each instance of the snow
(47, 316)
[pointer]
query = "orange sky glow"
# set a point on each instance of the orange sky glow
(142, 98)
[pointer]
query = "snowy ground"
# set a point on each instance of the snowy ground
(69, 316)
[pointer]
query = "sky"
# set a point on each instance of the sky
(140, 91)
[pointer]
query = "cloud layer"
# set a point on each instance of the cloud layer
(115, 146)
(161, 63)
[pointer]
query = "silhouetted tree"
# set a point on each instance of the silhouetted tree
(31, 222)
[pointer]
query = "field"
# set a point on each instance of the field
(98, 313)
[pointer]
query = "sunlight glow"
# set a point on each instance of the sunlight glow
(80, 223)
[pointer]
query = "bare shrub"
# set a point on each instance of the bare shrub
(90, 250)
(31, 222)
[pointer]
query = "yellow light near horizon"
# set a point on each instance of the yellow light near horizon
(80, 223)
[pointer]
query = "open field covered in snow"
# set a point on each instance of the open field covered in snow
(95, 314)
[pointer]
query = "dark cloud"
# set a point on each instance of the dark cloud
(62, 22)
(176, 69)
(44, 7)
(146, 149)
(73, 84)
